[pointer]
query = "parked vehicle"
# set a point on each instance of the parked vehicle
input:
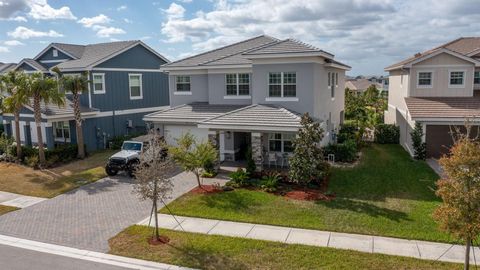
(126, 159)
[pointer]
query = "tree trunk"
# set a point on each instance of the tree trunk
(467, 255)
(155, 209)
(38, 123)
(17, 135)
(78, 122)
(197, 175)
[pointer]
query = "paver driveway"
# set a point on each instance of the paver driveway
(87, 217)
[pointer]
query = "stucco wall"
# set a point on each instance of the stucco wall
(198, 87)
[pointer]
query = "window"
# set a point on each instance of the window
(476, 77)
(55, 53)
(336, 79)
(135, 86)
(237, 84)
(424, 79)
(61, 131)
(332, 86)
(282, 84)
(329, 83)
(183, 84)
(280, 142)
(456, 78)
(98, 83)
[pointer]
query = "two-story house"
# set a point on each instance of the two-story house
(438, 88)
(124, 83)
(252, 94)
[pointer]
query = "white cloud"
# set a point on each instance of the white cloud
(122, 7)
(41, 10)
(185, 1)
(105, 31)
(12, 43)
(4, 49)
(127, 20)
(174, 11)
(9, 8)
(90, 22)
(22, 32)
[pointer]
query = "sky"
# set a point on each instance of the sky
(365, 34)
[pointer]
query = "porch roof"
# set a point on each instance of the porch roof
(190, 113)
(255, 117)
(443, 107)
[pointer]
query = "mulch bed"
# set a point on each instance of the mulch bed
(161, 241)
(308, 195)
(206, 189)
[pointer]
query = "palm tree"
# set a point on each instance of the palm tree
(13, 84)
(43, 89)
(76, 85)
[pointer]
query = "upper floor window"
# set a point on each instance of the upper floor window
(182, 84)
(98, 83)
(237, 84)
(457, 78)
(424, 79)
(282, 84)
(55, 53)
(135, 86)
(476, 77)
(332, 82)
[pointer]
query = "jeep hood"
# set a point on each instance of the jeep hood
(125, 154)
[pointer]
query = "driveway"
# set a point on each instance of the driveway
(87, 217)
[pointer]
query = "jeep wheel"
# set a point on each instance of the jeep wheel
(132, 166)
(110, 171)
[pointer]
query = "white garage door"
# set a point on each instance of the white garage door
(173, 132)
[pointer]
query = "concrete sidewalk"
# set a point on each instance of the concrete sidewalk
(364, 243)
(17, 200)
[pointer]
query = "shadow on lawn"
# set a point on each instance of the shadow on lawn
(364, 208)
(230, 201)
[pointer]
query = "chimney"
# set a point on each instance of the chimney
(418, 54)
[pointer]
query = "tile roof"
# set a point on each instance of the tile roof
(72, 49)
(33, 63)
(360, 84)
(443, 107)
(286, 46)
(190, 113)
(92, 53)
(463, 45)
(256, 117)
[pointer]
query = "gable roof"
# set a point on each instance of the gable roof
(50, 110)
(34, 64)
(461, 47)
(361, 84)
(287, 46)
(6, 67)
(443, 107)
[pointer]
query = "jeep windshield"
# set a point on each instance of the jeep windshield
(132, 146)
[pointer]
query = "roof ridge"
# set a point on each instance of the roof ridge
(303, 43)
(230, 112)
(217, 49)
(241, 52)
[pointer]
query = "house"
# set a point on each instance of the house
(438, 88)
(359, 86)
(125, 83)
(252, 94)
(6, 67)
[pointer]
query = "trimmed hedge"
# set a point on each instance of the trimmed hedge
(344, 152)
(348, 131)
(387, 134)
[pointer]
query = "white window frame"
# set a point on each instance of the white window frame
(237, 80)
(183, 93)
(55, 53)
(130, 89)
(61, 139)
(450, 77)
(282, 142)
(103, 83)
(282, 84)
(431, 78)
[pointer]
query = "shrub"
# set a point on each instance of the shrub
(348, 131)
(239, 177)
(65, 152)
(209, 167)
(270, 181)
(387, 134)
(344, 152)
(419, 147)
(251, 167)
(32, 161)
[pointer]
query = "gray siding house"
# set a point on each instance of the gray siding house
(252, 94)
(125, 83)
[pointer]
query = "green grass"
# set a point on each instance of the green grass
(5, 209)
(52, 182)
(219, 252)
(387, 194)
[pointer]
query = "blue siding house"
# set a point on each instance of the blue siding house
(125, 84)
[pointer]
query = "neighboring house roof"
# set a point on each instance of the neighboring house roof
(34, 64)
(71, 49)
(6, 67)
(190, 113)
(361, 84)
(443, 107)
(51, 110)
(256, 117)
(463, 46)
(241, 53)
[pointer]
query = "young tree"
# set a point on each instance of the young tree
(75, 85)
(153, 176)
(307, 163)
(192, 156)
(459, 213)
(13, 85)
(42, 89)
(419, 146)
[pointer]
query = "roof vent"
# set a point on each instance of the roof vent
(418, 54)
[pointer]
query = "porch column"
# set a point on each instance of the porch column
(257, 153)
(213, 138)
(49, 136)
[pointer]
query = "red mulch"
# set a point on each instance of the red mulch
(206, 189)
(162, 240)
(308, 195)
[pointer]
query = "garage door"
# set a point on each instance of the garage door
(173, 132)
(439, 139)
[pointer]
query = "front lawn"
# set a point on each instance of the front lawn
(5, 209)
(52, 182)
(220, 252)
(387, 194)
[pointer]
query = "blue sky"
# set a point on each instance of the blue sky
(366, 34)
